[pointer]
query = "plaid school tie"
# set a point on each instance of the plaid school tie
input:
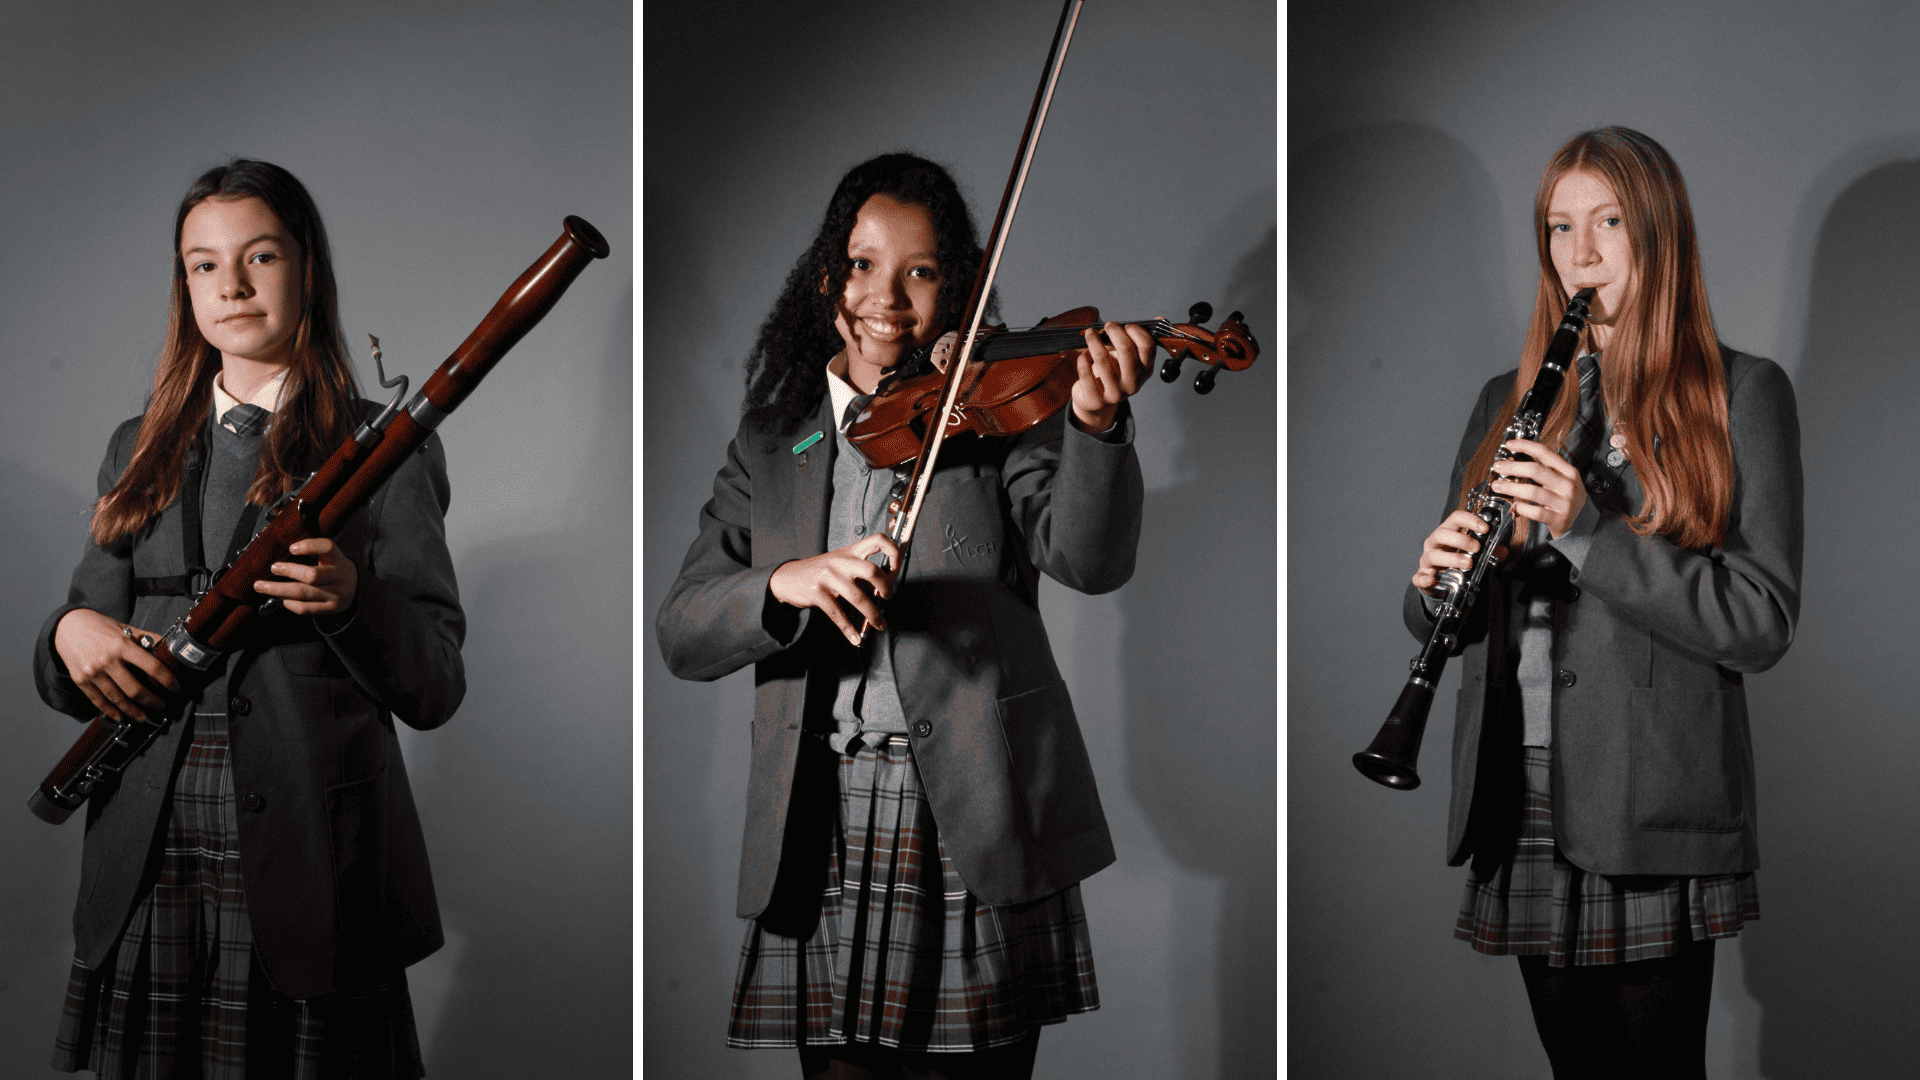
(1590, 422)
(247, 420)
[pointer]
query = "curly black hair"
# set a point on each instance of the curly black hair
(786, 371)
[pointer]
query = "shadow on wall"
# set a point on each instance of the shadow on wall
(46, 525)
(1199, 687)
(1397, 320)
(1831, 960)
(527, 794)
(696, 735)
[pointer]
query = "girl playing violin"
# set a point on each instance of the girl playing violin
(1602, 771)
(255, 885)
(920, 805)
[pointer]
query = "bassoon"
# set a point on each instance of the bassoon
(220, 618)
(1391, 756)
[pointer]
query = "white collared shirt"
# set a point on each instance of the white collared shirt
(267, 396)
(840, 391)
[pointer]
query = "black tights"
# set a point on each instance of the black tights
(1645, 1019)
(866, 1061)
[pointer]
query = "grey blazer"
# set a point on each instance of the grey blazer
(1652, 762)
(331, 852)
(993, 731)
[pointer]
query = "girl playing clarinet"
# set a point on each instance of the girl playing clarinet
(1602, 769)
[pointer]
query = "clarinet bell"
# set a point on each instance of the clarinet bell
(1390, 758)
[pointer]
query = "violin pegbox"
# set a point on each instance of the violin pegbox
(1230, 346)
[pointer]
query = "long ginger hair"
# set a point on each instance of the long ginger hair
(1663, 380)
(317, 403)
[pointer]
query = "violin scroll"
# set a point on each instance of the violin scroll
(1231, 346)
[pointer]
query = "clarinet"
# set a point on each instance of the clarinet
(1391, 756)
(220, 617)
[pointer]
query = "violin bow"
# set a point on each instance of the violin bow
(956, 375)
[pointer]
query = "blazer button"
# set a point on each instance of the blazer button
(253, 800)
(239, 706)
(923, 729)
(1566, 677)
(1573, 593)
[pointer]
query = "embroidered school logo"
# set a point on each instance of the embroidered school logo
(957, 544)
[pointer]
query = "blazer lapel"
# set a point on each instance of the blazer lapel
(802, 488)
(1613, 488)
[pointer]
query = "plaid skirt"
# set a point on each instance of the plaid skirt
(183, 994)
(1538, 903)
(902, 954)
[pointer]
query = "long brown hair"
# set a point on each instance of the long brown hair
(1663, 379)
(317, 402)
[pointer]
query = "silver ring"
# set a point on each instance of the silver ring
(126, 631)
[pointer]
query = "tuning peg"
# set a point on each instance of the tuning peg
(1235, 317)
(1170, 369)
(1200, 313)
(1203, 382)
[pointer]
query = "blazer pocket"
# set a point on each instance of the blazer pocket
(1052, 775)
(356, 818)
(1687, 767)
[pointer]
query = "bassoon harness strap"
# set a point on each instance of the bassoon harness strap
(198, 577)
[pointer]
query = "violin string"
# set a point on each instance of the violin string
(1009, 344)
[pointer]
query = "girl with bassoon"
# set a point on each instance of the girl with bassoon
(921, 806)
(254, 886)
(1602, 767)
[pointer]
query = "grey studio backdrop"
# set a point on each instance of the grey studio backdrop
(1153, 188)
(1417, 135)
(444, 142)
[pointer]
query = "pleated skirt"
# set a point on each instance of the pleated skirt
(183, 995)
(903, 955)
(1539, 904)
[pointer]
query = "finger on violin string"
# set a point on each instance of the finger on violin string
(1132, 353)
(1098, 357)
(1144, 348)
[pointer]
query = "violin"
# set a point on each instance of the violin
(979, 393)
(1020, 377)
